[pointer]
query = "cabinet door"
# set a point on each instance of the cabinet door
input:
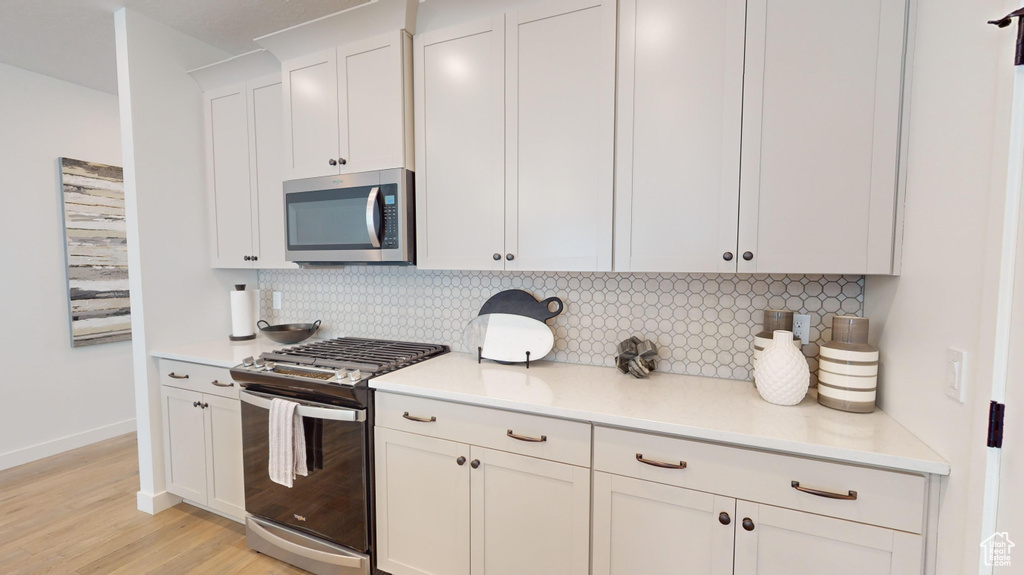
(371, 104)
(680, 87)
(266, 152)
(225, 477)
(821, 135)
(460, 147)
(560, 125)
(184, 443)
(422, 504)
(310, 85)
(529, 515)
(646, 527)
(227, 173)
(786, 542)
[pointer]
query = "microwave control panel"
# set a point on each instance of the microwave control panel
(390, 222)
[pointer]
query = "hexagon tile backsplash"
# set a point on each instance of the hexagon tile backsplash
(703, 324)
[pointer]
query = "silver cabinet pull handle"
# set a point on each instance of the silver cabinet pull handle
(430, 419)
(851, 495)
(219, 384)
(541, 439)
(176, 376)
(680, 465)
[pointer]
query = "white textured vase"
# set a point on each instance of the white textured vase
(782, 373)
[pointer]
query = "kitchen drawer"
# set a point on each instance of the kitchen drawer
(565, 441)
(886, 498)
(197, 377)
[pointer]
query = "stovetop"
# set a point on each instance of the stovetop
(331, 367)
(374, 356)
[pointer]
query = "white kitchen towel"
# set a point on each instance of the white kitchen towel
(287, 442)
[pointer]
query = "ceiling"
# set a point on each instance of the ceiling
(73, 40)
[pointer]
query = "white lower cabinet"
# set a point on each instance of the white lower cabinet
(184, 443)
(445, 507)
(203, 449)
(776, 541)
(422, 504)
(672, 505)
(528, 515)
(646, 527)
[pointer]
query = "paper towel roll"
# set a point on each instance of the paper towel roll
(243, 313)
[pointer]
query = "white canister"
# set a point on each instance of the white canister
(243, 314)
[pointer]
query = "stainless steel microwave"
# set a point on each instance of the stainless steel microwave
(354, 218)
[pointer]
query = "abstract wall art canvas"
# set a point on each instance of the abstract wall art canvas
(97, 252)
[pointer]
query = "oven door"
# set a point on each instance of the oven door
(332, 501)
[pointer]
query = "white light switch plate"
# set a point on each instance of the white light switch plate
(956, 364)
(277, 300)
(802, 327)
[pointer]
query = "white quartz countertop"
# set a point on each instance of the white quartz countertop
(701, 408)
(221, 352)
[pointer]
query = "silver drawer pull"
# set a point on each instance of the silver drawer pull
(219, 384)
(430, 419)
(542, 438)
(662, 464)
(173, 375)
(851, 496)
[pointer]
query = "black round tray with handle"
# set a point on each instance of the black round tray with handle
(288, 332)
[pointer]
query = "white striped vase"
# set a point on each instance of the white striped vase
(848, 367)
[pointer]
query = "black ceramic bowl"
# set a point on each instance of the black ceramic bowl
(288, 332)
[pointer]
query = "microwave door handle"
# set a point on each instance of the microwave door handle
(372, 222)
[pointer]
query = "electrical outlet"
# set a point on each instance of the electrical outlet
(956, 380)
(802, 327)
(277, 300)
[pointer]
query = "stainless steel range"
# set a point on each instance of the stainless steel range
(325, 522)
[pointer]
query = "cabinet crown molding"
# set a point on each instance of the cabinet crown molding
(236, 69)
(360, 22)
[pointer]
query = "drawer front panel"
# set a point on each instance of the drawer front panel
(564, 441)
(886, 498)
(197, 377)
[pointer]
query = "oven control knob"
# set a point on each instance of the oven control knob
(354, 376)
(248, 362)
(269, 366)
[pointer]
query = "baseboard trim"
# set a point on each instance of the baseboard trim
(63, 444)
(154, 504)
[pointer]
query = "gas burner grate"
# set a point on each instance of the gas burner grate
(374, 356)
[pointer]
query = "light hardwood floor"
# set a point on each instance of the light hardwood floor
(75, 513)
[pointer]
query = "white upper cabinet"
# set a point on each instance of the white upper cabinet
(559, 130)
(243, 150)
(680, 92)
(515, 140)
(311, 115)
(821, 136)
(460, 146)
(228, 177)
(266, 151)
(815, 98)
(348, 109)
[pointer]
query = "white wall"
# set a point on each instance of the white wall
(176, 297)
(943, 299)
(86, 392)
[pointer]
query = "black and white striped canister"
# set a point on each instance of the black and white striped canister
(848, 367)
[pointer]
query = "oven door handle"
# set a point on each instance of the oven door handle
(330, 413)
